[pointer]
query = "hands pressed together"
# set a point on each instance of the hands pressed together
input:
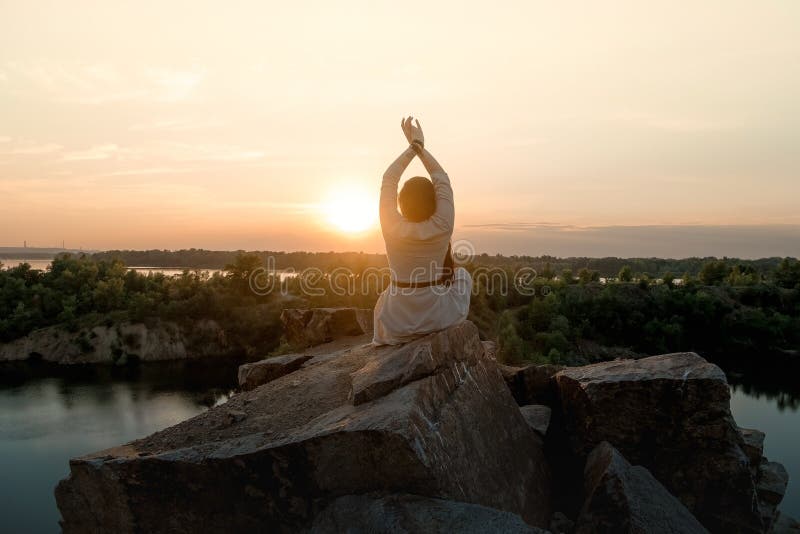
(413, 133)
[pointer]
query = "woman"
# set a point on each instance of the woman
(425, 294)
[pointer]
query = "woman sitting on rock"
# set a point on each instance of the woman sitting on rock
(426, 293)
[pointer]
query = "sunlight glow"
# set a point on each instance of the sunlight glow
(351, 210)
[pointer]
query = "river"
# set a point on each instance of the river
(46, 417)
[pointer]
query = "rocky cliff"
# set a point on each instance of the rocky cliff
(120, 343)
(428, 437)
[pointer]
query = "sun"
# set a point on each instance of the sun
(351, 210)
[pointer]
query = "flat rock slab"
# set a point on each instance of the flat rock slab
(310, 327)
(537, 416)
(670, 414)
(271, 458)
(252, 375)
(412, 513)
(392, 367)
(627, 499)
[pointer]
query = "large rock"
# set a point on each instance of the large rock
(411, 513)
(537, 416)
(270, 458)
(626, 499)
(307, 328)
(252, 375)
(772, 482)
(771, 485)
(671, 414)
(531, 384)
(753, 447)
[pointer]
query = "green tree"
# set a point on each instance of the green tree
(625, 274)
(240, 270)
(669, 279)
(714, 272)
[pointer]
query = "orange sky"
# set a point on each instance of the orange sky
(147, 124)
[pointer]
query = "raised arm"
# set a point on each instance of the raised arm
(443, 218)
(388, 203)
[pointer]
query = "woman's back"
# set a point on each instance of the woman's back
(418, 300)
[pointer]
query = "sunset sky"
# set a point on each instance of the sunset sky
(567, 128)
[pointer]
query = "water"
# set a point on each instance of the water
(50, 414)
(42, 265)
(775, 412)
(45, 420)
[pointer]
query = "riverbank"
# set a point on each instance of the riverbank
(120, 343)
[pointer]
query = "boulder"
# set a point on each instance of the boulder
(448, 431)
(531, 384)
(252, 375)
(393, 367)
(753, 447)
(621, 498)
(307, 328)
(772, 482)
(537, 416)
(670, 414)
(412, 513)
(770, 486)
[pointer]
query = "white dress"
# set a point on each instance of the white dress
(416, 253)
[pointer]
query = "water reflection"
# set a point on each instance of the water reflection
(49, 414)
(781, 388)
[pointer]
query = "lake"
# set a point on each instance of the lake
(46, 419)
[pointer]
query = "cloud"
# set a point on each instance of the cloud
(677, 124)
(664, 241)
(102, 83)
(97, 152)
(30, 149)
(174, 125)
(210, 152)
(174, 85)
(150, 171)
(518, 226)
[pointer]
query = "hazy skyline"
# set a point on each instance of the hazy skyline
(623, 128)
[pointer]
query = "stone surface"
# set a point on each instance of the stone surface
(393, 367)
(622, 498)
(412, 513)
(670, 414)
(537, 416)
(753, 447)
(307, 328)
(785, 525)
(252, 375)
(490, 349)
(772, 482)
(455, 434)
(771, 486)
(561, 524)
(120, 343)
(532, 384)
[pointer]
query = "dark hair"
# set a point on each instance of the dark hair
(417, 199)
